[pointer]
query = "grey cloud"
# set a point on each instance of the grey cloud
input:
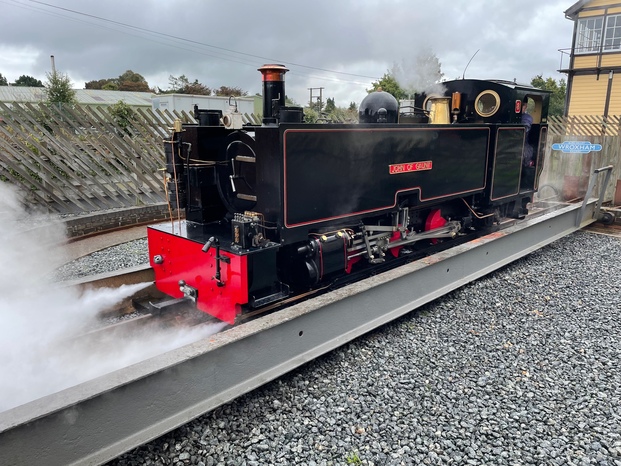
(516, 40)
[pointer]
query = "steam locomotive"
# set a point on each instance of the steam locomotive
(277, 210)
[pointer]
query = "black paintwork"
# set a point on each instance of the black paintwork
(350, 168)
(309, 178)
(311, 188)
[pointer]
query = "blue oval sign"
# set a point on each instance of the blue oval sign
(577, 147)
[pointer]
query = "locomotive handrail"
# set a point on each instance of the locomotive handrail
(602, 190)
(426, 112)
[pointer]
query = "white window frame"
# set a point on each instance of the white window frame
(588, 35)
(612, 41)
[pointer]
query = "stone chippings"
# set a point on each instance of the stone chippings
(520, 367)
(130, 254)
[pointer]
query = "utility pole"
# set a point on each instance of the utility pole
(320, 98)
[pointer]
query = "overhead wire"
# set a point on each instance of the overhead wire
(116, 29)
(221, 53)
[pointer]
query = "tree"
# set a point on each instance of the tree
(231, 91)
(28, 81)
(330, 105)
(110, 86)
(182, 85)
(177, 85)
(317, 105)
(130, 86)
(197, 88)
(123, 115)
(310, 115)
(132, 81)
(3, 81)
(128, 81)
(58, 89)
(557, 98)
(388, 83)
(99, 84)
(289, 102)
(330, 113)
(343, 115)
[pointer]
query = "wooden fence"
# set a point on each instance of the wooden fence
(568, 173)
(586, 125)
(81, 158)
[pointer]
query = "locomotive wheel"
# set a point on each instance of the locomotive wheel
(434, 220)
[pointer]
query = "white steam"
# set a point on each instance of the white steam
(41, 350)
(420, 74)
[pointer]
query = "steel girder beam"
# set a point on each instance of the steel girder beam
(96, 421)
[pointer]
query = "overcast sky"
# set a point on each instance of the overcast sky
(340, 45)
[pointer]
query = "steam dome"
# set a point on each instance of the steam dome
(379, 107)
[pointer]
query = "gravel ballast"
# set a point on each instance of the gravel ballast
(125, 255)
(520, 367)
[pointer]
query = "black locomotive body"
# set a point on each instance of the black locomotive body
(275, 210)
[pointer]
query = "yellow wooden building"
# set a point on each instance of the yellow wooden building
(593, 64)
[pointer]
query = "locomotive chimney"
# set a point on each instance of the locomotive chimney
(273, 92)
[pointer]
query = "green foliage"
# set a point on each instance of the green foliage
(557, 98)
(388, 83)
(182, 85)
(128, 81)
(317, 106)
(331, 113)
(123, 115)
(98, 84)
(231, 91)
(342, 115)
(132, 86)
(132, 81)
(58, 89)
(110, 86)
(353, 458)
(330, 105)
(3, 81)
(28, 81)
(310, 115)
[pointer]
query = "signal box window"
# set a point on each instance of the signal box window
(612, 39)
(589, 38)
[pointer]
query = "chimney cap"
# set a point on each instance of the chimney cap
(273, 72)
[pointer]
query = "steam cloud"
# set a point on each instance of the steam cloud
(422, 74)
(40, 320)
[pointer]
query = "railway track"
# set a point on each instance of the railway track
(132, 317)
(141, 401)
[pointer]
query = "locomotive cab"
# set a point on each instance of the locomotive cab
(517, 117)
